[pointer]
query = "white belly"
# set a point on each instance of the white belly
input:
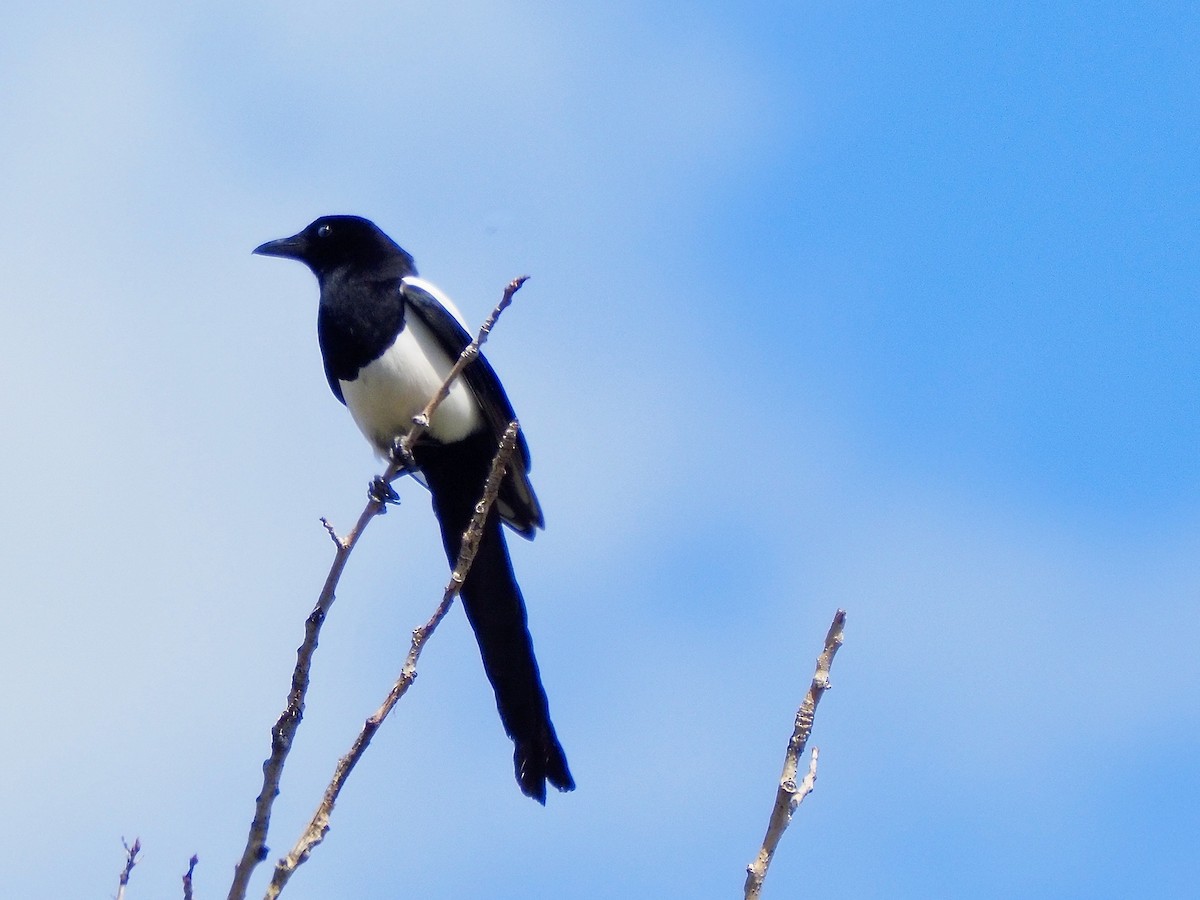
(391, 390)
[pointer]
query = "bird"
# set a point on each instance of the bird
(388, 339)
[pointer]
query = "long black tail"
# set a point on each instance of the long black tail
(495, 608)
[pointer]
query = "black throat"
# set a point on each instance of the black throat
(359, 317)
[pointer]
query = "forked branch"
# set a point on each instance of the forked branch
(790, 793)
(131, 860)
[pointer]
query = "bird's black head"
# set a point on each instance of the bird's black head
(335, 242)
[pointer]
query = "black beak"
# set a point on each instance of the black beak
(289, 247)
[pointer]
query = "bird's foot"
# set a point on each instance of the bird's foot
(382, 492)
(401, 456)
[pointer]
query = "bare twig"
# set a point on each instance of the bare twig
(285, 727)
(284, 730)
(318, 826)
(329, 530)
(789, 794)
(130, 861)
(187, 877)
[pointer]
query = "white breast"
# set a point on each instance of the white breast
(392, 389)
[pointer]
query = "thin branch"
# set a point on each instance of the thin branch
(329, 530)
(187, 877)
(318, 826)
(130, 861)
(789, 794)
(284, 730)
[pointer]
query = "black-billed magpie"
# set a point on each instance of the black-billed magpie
(388, 339)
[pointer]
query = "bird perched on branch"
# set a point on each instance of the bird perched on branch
(388, 340)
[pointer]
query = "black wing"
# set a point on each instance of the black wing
(517, 502)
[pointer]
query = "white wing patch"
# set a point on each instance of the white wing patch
(392, 389)
(436, 293)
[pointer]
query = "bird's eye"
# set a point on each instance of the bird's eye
(324, 231)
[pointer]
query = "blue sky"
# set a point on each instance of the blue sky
(888, 308)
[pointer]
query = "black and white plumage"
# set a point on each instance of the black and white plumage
(388, 340)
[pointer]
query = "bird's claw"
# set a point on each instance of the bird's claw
(382, 492)
(401, 456)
